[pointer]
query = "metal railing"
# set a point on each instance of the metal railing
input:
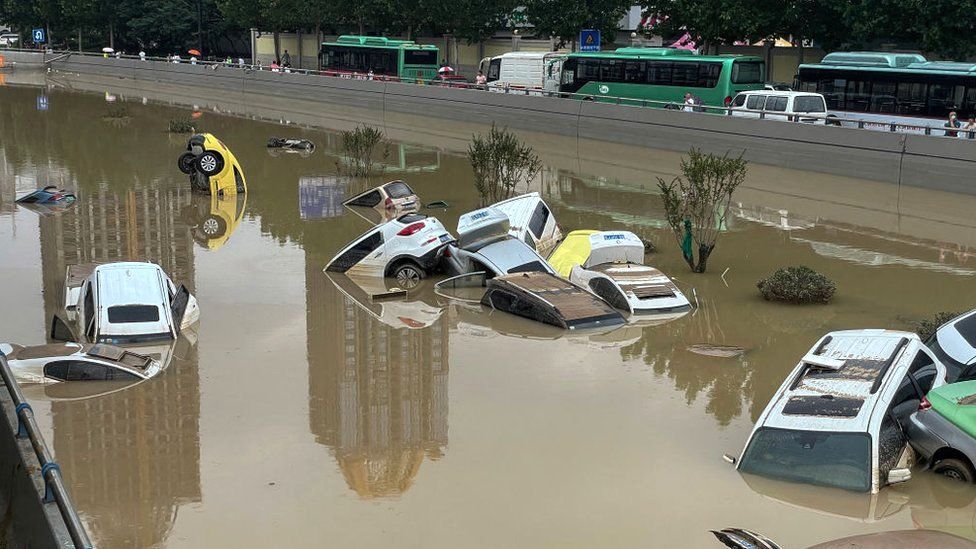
(806, 118)
(54, 488)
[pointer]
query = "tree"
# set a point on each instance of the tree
(501, 162)
(712, 22)
(564, 19)
(697, 205)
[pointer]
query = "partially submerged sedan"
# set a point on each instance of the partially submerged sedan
(76, 362)
(943, 430)
(546, 298)
(408, 248)
(484, 244)
(393, 196)
(124, 302)
(610, 264)
(838, 418)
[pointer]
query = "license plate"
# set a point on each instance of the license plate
(445, 237)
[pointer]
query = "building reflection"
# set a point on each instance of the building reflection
(377, 395)
(131, 458)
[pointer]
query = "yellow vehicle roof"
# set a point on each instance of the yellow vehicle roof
(572, 251)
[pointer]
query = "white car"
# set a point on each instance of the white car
(124, 302)
(57, 363)
(838, 418)
(611, 265)
(531, 221)
(955, 345)
(485, 243)
(408, 248)
(806, 107)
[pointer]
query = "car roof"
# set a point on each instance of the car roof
(780, 93)
(840, 396)
(130, 283)
(958, 338)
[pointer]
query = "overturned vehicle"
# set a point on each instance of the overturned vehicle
(211, 166)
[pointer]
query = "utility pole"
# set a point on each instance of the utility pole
(200, 26)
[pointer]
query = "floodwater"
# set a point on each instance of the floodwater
(302, 415)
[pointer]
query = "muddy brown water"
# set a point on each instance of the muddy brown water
(300, 414)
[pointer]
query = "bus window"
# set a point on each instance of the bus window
(858, 95)
(611, 70)
(494, 69)
(634, 72)
(942, 99)
(685, 75)
(911, 98)
(883, 97)
(569, 73)
(747, 72)
(659, 73)
(417, 57)
(589, 69)
(708, 74)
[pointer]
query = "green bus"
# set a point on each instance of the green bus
(660, 74)
(353, 55)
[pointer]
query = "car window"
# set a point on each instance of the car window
(368, 200)
(124, 314)
(756, 102)
(398, 189)
(539, 218)
(357, 252)
(924, 371)
(77, 370)
(89, 312)
(838, 459)
(809, 103)
(530, 267)
(411, 218)
(777, 104)
(739, 100)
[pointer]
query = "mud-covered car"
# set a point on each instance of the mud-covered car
(943, 430)
(211, 166)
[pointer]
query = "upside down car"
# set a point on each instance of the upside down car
(211, 166)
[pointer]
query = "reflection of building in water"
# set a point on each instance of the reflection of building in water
(131, 457)
(321, 197)
(377, 395)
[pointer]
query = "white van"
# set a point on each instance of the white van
(521, 70)
(810, 108)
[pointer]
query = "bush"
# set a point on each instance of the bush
(359, 144)
(927, 327)
(797, 285)
(180, 125)
(501, 162)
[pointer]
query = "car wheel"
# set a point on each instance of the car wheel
(408, 275)
(953, 468)
(210, 163)
(213, 226)
(185, 162)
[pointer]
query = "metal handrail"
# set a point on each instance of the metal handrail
(830, 120)
(54, 487)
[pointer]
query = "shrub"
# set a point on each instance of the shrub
(927, 327)
(359, 145)
(696, 205)
(180, 125)
(500, 163)
(797, 285)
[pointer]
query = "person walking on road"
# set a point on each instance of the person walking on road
(286, 59)
(953, 122)
(689, 103)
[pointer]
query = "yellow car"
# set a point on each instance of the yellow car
(211, 166)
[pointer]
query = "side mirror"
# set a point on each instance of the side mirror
(896, 476)
(60, 330)
(729, 459)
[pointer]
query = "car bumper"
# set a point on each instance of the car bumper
(926, 431)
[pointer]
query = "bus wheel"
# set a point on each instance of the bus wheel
(587, 98)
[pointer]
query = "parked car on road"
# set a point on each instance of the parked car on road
(955, 345)
(124, 302)
(408, 248)
(943, 430)
(837, 420)
(810, 108)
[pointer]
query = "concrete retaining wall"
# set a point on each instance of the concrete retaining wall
(25, 521)
(917, 160)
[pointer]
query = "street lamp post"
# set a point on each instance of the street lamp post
(515, 40)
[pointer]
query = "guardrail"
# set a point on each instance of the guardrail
(54, 488)
(807, 118)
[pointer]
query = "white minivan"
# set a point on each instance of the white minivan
(534, 71)
(806, 107)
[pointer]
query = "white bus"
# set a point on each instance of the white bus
(523, 70)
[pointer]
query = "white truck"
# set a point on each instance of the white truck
(523, 70)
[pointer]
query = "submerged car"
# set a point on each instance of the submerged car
(395, 196)
(408, 248)
(531, 221)
(57, 363)
(610, 264)
(391, 306)
(125, 302)
(546, 298)
(50, 195)
(838, 418)
(211, 166)
(300, 146)
(485, 245)
(955, 345)
(214, 219)
(943, 430)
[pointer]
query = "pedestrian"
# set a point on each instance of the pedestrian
(193, 60)
(481, 80)
(142, 55)
(286, 59)
(118, 55)
(953, 122)
(369, 75)
(275, 66)
(970, 127)
(689, 103)
(240, 62)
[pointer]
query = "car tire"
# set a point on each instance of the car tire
(955, 469)
(185, 163)
(408, 275)
(210, 163)
(213, 226)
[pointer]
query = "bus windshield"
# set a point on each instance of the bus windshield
(840, 460)
(747, 72)
(415, 57)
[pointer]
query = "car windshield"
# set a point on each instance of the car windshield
(398, 189)
(840, 460)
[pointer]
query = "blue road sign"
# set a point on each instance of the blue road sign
(39, 36)
(42, 102)
(589, 40)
